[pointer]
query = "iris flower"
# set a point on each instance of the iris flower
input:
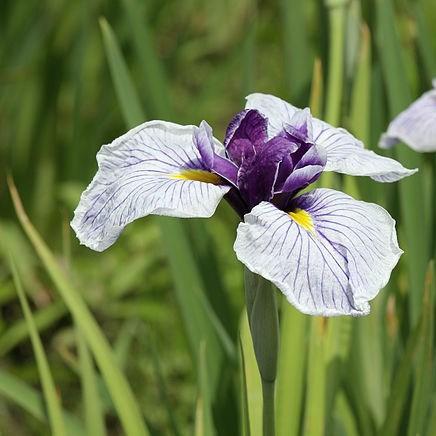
(328, 253)
(415, 126)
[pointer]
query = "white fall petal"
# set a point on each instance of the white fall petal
(345, 153)
(142, 173)
(415, 126)
(329, 257)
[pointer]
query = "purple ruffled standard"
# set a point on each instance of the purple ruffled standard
(328, 253)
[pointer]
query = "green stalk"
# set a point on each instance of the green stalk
(335, 77)
(268, 390)
(264, 327)
(337, 15)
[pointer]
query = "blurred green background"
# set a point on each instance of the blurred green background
(168, 296)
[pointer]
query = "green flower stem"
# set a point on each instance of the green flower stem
(264, 327)
(268, 391)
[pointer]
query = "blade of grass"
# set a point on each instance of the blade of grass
(124, 89)
(51, 398)
(94, 417)
(26, 397)
(317, 89)
(370, 363)
(249, 53)
(203, 416)
(360, 114)
(291, 369)
(401, 383)
(337, 14)
(336, 349)
(344, 417)
(119, 389)
(253, 386)
(315, 405)
(424, 38)
(152, 69)
(423, 383)
(245, 419)
(297, 53)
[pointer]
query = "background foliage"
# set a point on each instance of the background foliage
(150, 337)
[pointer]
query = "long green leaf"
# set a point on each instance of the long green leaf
(424, 382)
(315, 406)
(297, 52)
(130, 105)
(424, 37)
(337, 14)
(401, 383)
(94, 418)
(252, 390)
(53, 404)
(151, 67)
(344, 419)
(291, 369)
(203, 417)
(122, 396)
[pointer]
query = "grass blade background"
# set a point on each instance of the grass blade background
(251, 380)
(315, 407)
(51, 397)
(203, 421)
(291, 370)
(118, 387)
(297, 53)
(94, 417)
(124, 89)
(424, 383)
(154, 75)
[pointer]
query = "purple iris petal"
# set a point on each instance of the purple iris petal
(258, 174)
(306, 171)
(203, 139)
(211, 161)
(300, 126)
(225, 168)
(246, 132)
(279, 167)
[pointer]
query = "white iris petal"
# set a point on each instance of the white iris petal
(329, 258)
(415, 126)
(144, 172)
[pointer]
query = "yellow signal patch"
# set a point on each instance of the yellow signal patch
(303, 219)
(198, 176)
